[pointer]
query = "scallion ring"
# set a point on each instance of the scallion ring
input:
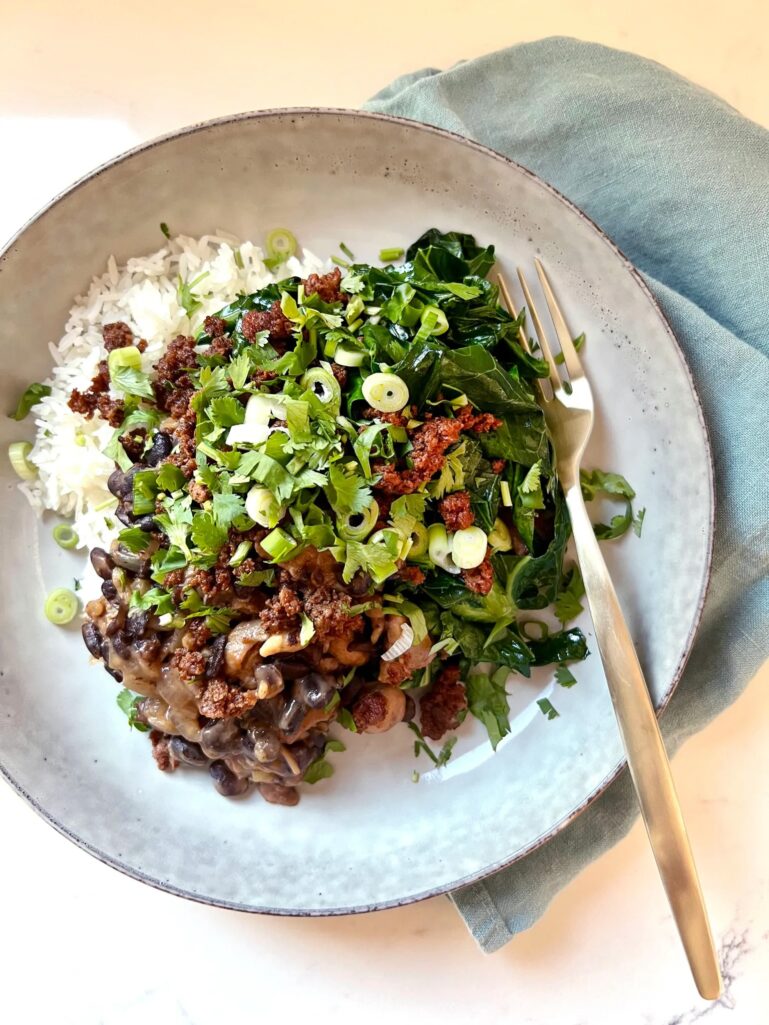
(468, 547)
(65, 536)
(434, 320)
(386, 393)
(61, 606)
(129, 356)
(324, 386)
(281, 243)
(18, 453)
(356, 526)
(346, 356)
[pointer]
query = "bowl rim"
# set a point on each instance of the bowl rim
(660, 706)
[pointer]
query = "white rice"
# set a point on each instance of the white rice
(68, 448)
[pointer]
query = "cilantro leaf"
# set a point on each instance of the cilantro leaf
(487, 701)
(596, 482)
(638, 521)
(227, 508)
(377, 559)
(421, 745)
(547, 708)
(128, 703)
(321, 768)
(565, 677)
(134, 539)
(30, 398)
(175, 523)
(530, 488)
(226, 411)
(239, 369)
(130, 381)
(188, 301)
(364, 443)
(170, 478)
(567, 605)
(345, 719)
(206, 533)
(347, 492)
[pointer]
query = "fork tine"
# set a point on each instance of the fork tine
(510, 306)
(555, 377)
(570, 357)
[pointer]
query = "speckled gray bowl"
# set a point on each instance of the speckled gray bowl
(369, 837)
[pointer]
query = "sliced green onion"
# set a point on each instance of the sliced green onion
(61, 606)
(388, 255)
(278, 544)
(240, 553)
(386, 393)
(80, 440)
(347, 251)
(468, 547)
(129, 356)
(434, 320)
(339, 261)
(504, 493)
(439, 548)
(356, 526)
(500, 538)
(280, 243)
(263, 507)
(324, 386)
(346, 356)
(418, 541)
(261, 408)
(17, 453)
(354, 309)
(65, 536)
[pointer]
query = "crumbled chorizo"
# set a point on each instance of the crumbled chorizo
(133, 443)
(369, 710)
(111, 410)
(273, 320)
(456, 512)
(498, 465)
(199, 492)
(117, 335)
(161, 752)
(329, 611)
(326, 286)
(281, 613)
(396, 419)
(87, 402)
(214, 327)
(184, 433)
(189, 664)
(197, 635)
(440, 709)
(171, 374)
(220, 346)
(430, 442)
(340, 373)
(412, 575)
(481, 423)
(221, 700)
(479, 579)
(214, 585)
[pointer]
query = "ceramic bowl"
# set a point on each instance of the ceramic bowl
(369, 837)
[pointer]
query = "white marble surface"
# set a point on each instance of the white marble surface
(80, 944)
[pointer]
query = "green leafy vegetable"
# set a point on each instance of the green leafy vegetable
(32, 395)
(564, 677)
(547, 708)
(487, 701)
(567, 605)
(131, 382)
(128, 704)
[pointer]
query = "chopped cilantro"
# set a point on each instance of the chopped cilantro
(128, 703)
(564, 676)
(547, 708)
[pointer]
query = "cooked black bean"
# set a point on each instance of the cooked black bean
(226, 782)
(126, 559)
(92, 639)
(314, 690)
(187, 751)
(146, 523)
(275, 794)
(137, 623)
(162, 444)
(293, 668)
(102, 563)
(149, 648)
(109, 590)
(361, 584)
(291, 716)
(266, 746)
(216, 657)
(125, 515)
(121, 644)
(114, 673)
(221, 738)
(118, 484)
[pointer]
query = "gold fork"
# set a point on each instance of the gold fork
(568, 408)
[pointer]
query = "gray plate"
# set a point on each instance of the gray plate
(369, 837)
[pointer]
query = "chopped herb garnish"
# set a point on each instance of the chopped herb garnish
(164, 229)
(33, 394)
(547, 708)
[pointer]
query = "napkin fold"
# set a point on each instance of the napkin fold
(680, 181)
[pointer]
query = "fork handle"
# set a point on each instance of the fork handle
(646, 756)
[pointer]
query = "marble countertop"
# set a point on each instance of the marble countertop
(81, 944)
